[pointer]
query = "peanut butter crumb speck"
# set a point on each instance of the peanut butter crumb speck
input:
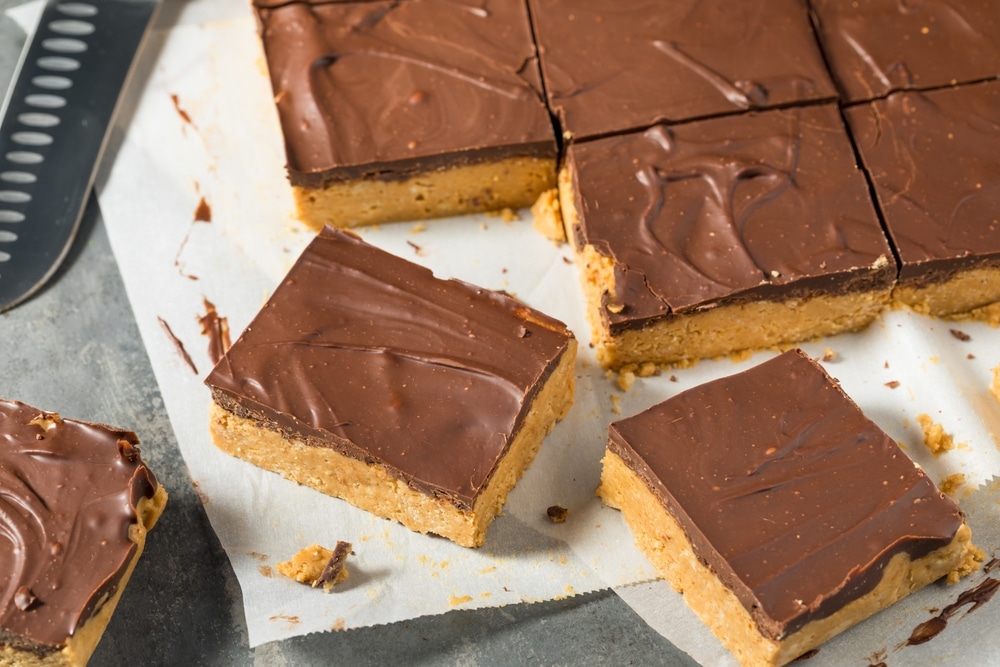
(935, 437)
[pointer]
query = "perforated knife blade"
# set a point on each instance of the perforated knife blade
(55, 123)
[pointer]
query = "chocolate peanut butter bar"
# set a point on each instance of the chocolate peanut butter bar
(611, 67)
(734, 233)
(76, 502)
(407, 110)
(932, 157)
(876, 47)
(418, 399)
(780, 511)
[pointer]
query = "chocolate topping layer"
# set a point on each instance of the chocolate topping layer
(68, 493)
(787, 492)
(389, 89)
(370, 354)
(933, 159)
(767, 205)
(625, 65)
(879, 46)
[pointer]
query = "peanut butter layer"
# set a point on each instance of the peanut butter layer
(428, 380)
(388, 91)
(880, 46)
(76, 500)
(611, 67)
(678, 221)
(787, 493)
(932, 157)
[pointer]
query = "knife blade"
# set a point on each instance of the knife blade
(55, 124)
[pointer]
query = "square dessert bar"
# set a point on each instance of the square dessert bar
(407, 110)
(716, 236)
(625, 65)
(932, 157)
(780, 511)
(876, 47)
(76, 501)
(418, 399)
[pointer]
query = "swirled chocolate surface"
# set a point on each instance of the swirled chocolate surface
(68, 492)
(370, 354)
(767, 205)
(879, 46)
(787, 492)
(387, 89)
(933, 160)
(616, 66)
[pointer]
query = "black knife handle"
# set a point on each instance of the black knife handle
(54, 128)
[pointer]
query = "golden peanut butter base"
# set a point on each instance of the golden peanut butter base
(508, 183)
(372, 487)
(659, 536)
(968, 295)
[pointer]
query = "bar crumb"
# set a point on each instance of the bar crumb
(557, 514)
(935, 437)
(318, 566)
(995, 384)
(951, 484)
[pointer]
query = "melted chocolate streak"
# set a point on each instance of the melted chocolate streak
(722, 179)
(741, 94)
(976, 597)
(178, 345)
(216, 328)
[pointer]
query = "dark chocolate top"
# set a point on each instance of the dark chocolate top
(787, 492)
(933, 158)
(761, 205)
(369, 354)
(68, 492)
(628, 64)
(877, 46)
(382, 89)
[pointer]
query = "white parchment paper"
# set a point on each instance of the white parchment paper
(198, 134)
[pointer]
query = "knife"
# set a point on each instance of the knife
(56, 118)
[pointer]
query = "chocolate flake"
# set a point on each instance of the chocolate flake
(334, 572)
(24, 598)
(203, 213)
(961, 335)
(557, 514)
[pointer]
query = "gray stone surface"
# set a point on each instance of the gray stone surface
(74, 348)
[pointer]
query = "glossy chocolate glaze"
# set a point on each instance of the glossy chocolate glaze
(875, 47)
(787, 492)
(933, 160)
(616, 66)
(389, 89)
(68, 492)
(370, 354)
(767, 205)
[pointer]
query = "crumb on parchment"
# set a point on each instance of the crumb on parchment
(557, 513)
(952, 483)
(935, 437)
(318, 566)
